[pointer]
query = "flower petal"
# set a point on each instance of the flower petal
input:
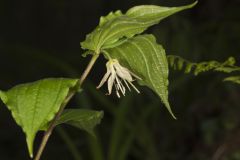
(122, 72)
(104, 79)
(115, 75)
(135, 76)
(111, 79)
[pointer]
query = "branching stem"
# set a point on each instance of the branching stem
(48, 133)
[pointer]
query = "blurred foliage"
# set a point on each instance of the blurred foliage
(178, 63)
(41, 39)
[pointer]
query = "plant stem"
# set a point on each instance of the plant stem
(71, 93)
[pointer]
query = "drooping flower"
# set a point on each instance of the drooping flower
(118, 76)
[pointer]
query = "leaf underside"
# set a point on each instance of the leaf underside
(143, 56)
(35, 104)
(81, 118)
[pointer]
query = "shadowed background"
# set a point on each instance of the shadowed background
(40, 39)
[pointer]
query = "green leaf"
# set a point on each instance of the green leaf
(179, 63)
(81, 118)
(109, 17)
(34, 105)
(144, 57)
(3, 96)
(116, 26)
(234, 79)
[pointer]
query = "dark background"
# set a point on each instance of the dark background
(40, 39)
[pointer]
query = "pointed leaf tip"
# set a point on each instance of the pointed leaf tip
(170, 110)
(33, 105)
(144, 57)
(115, 26)
(30, 140)
(194, 4)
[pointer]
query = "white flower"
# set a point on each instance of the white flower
(116, 74)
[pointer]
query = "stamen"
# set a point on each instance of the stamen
(119, 84)
(115, 75)
(127, 85)
(117, 88)
(134, 87)
(121, 87)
